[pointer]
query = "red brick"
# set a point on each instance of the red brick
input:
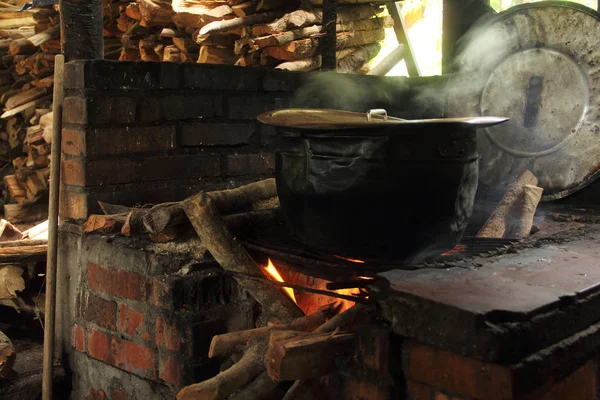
(249, 164)
(187, 166)
(73, 142)
(118, 394)
(99, 346)
(73, 172)
(418, 391)
(122, 354)
(458, 374)
(169, 371)
(78, 338)
(75, 110)
(73, 204)
(136, 139)
(580, 385)
(130, 321)
(99, 311)
(135, 358)
(167, 334)
(199, 133)
(94, 394)
(117, 282)
(160, 293)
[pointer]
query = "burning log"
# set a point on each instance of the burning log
(529, 201)
(105, 223)
(229, 343)
(292, 358)
(203, 212)
(227, 382)
(258, 383)
(499, 222)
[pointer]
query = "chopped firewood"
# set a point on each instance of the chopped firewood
(216, 55)
(530, 199)
(17, 213)
(217, 39)
(187, 45)
(305, 357)
(277, 39)
(306, 64)
(500, 221)
(242, 46)
(22, 254)
(229, 343)
(38, 232)
(305, 48)
(203, 212)
(221, 26)
(25, 97)
(344, 322)
(154, 12)
(133, 11)
(227, 382)
(17, 192)
(134, 224)
(105, 223)
(11, 280)
(245, 9)
(165, 215)
(31, 104)
(300, 18)
(9, 232)
(46, 125)
(108, 208)
(248, 60)
(171, 54)
(309, 64)
(8, 355)
(357, 59)
(260, 388)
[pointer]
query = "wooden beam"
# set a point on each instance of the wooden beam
(81, 24)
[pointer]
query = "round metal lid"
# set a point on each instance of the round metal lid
(539, 65)
(324, 119)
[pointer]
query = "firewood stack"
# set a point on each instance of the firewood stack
(268, 33)
(29, 42)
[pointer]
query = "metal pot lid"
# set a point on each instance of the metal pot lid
(539, 65)
(324, 119)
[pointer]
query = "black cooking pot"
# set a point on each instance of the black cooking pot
(372, 187)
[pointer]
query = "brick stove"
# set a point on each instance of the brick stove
(138, 317)
(518, 322)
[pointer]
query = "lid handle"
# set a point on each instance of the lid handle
(378, 113)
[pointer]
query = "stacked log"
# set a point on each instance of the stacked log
(267, 33)
(29, 42)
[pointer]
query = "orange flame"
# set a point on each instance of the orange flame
(354, 260)
(272, 271)
(457, 249)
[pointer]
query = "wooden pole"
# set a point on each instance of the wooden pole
(328, 43)
(400, 30)
(81, 26)
(49, 326)
(389, 62)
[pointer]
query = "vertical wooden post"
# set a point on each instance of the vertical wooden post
(81, 29)
(50, 309)
(328, 42)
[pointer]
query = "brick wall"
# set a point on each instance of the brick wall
(435, 374)
(136, 317)
(139, 133)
